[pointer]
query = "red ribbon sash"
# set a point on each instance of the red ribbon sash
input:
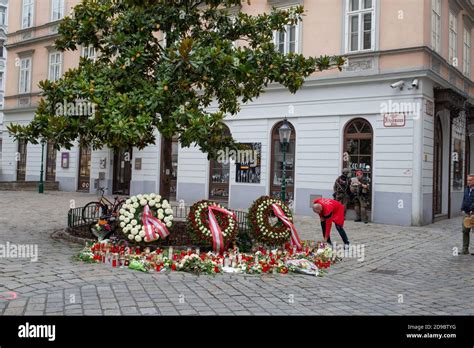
(217, 236)
(154, 228)
(280, 214)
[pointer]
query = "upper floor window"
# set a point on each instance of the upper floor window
(436, 25)
(1, 80)
(3, 15)
(27, 14)
(287, 41)
(453, 39)
(89, 52)
(2, 49)
(55, 66)
(360, 25)
(467, 53)
(57, 10)
(25, 75)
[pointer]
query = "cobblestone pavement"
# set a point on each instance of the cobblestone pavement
(406, 271)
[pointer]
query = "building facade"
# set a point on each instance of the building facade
(400, 111)
(3, 64)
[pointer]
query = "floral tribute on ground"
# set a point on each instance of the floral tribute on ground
(146, 218)
(210, 224)
(271, 222)
(313, 259)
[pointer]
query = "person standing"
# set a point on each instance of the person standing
(329, 211)
(360, 187)
(342, 189)
(468, 209)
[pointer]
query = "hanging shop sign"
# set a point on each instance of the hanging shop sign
(392, 120)
(248, 163)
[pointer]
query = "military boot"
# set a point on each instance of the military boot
(465, 244)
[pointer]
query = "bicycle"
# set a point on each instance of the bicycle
(93, 211)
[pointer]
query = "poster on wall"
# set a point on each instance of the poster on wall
(248, 163)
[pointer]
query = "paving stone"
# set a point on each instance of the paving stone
(431, 279)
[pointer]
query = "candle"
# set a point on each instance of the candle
(170, 252)
(114, 261)
(198, 251)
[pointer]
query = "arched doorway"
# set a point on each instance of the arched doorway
(219, 177)
(276, 174)
(438, 168)
(358, 148)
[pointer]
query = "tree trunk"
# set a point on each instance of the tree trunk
(166, 168)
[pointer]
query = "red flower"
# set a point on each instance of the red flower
(173, 267)
(216, 269)
(175, 257)
(158, 268)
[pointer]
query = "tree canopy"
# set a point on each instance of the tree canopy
(142, 80)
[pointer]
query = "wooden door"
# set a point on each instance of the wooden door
(438, 169)
(122, 172)
(21, 161)
(84, 169)
(51, 154)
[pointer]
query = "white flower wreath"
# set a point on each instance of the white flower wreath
(130, 215)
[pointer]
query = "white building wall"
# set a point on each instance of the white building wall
(68, 177)
(146, 179)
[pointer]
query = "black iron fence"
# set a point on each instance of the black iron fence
(80, 218)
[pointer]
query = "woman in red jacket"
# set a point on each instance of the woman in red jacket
(330, 211)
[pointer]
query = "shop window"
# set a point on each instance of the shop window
(358, 147)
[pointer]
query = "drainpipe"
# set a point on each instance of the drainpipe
(417, 174)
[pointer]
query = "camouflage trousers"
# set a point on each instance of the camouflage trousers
(361, 205)
(344, 200)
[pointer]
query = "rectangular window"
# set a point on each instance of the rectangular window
(89, 52)
(3, 15)
(1, 80)
(360, 25)
(27, 14)
(55, 66)
(2, 49)
(436, 25)
(453, 39)
(25, 75)
(467, 53)
(287, 41)
(57, 10)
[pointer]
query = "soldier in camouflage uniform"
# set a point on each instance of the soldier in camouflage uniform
(342, 192)
(361, 190)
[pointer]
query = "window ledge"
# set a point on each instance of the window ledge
(282, 3)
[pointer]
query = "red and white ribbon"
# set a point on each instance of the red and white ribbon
(154, 228)
(217, 236)
(280, 214)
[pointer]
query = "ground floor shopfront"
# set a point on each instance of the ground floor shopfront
(413, 145)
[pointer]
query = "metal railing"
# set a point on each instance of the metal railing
(75, 219)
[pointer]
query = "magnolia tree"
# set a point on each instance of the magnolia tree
(160, 65)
